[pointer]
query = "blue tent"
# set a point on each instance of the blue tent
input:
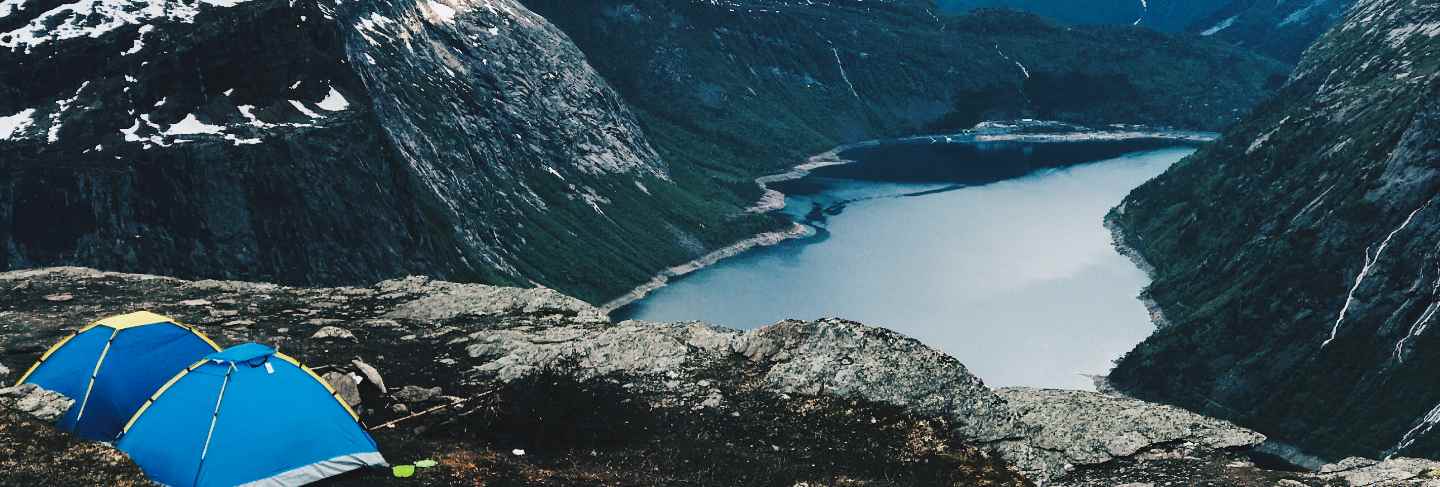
(246, 416)
(112, 365)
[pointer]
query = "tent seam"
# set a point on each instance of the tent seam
(90, 386)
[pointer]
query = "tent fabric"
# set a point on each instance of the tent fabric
(246, 416)
(111, 366)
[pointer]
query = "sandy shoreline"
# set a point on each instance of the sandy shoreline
(1021, 131)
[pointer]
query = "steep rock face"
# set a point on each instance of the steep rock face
(1282, 29)
(305, 143)
(1162, 15)
(431, 341)
(1295, 258)
(737, 89)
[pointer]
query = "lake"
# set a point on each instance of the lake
(989, 252)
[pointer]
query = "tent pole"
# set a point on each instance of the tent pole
(213, 417)
(94, 373)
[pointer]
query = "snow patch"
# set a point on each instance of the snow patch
(139, 41)
(193, 126)
(372, 25)
(17, 123)
(306, 111)
(333, 101)
(440, 11)
(1224, 24)
(248, 111)
(8, 7)
(95, 18)
(53, 135)
(1301, 13)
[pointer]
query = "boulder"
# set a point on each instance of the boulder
(346, 385)
(371, 374)
(35, 401)
(332, 333)
(416, 394)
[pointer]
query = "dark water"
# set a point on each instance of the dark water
(1016, 278)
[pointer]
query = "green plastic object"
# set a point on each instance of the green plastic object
(403, 471)
(426, 463)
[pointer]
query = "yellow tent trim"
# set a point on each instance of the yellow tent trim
(44, 356)
(196, 365)
(322, 382)
(118, 323)
(132, 320)
(158, 392)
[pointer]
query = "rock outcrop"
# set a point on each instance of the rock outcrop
(1391, 471)
(35, 401)
(1073, 428)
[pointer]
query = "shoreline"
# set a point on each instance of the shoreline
(766, 239)
(1117, 239)
(1018, 131)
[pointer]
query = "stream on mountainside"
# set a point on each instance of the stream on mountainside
(994, 252)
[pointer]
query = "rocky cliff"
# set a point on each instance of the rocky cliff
(310, 142)
(1162, 15)
(1281, 29)
(1295, 258)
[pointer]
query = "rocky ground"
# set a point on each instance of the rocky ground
(528, 386)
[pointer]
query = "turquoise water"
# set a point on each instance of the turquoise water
(1017, 278)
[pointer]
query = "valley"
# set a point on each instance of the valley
(953, 242)
(748, 242)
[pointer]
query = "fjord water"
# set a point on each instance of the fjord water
(1017, 278)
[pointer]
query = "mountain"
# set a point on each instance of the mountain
(306, 142)
(1295, 258)
(1161, 15)
(1280, 29)
(736, 89)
